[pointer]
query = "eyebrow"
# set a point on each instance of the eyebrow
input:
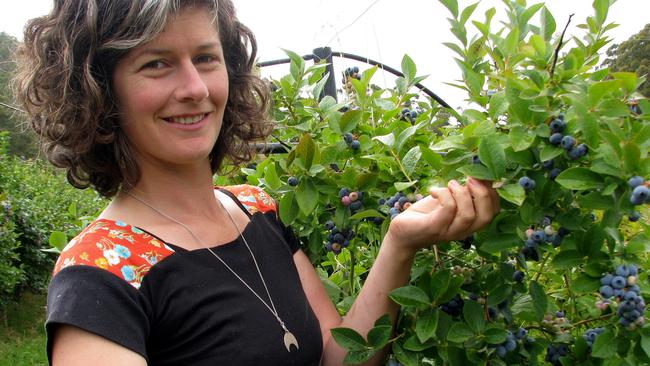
(163, 51)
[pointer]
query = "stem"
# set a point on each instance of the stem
(401, 167)
(541, 267)
(351, 274)
(573, 300)
(602, 317)
(559, 45)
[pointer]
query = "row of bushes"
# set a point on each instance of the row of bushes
(36, 201)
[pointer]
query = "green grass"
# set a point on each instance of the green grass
(22, 335)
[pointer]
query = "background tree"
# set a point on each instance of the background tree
(22, 140)
(632, 55)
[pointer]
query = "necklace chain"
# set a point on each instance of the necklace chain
(289, 339)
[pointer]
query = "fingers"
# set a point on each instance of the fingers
(486, 203)
(465, 210)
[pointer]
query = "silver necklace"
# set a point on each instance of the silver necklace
(289, 338)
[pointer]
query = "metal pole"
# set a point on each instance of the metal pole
(325, 53)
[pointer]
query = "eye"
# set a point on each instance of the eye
(206, 59)
(154, 65)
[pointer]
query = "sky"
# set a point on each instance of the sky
(382, 30)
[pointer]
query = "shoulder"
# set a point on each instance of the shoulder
(253, 198)
(116, 247)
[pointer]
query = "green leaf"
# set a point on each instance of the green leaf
(514, 193)
(439, 283)
(358, 356)
(350, 120)
(411, 159)
(539, 299)
(629, 80)
(410, 296)
(408, 68)
(307, 151)
(567, 259)
(498, 105)
(493, 156)
(426, 323)
(550, 152)
(498, 243)
(307, 196)
(520, 138)
(473, 314)
(477, 171)
(58, 240)
(400, 186)
(603, 346)
(459, 333)
(379, 336)
(579, 179)
(404, 136)
(388, 140)
(271, 177)
(349, 339)
(289, 208)
(452, 5)
(495, 335)
(597, 91)
(366, 214)
(645, 343)
(547, 27)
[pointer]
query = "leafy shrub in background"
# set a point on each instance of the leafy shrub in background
(526, 289)
(41, 202)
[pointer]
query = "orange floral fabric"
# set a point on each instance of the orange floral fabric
(127, 251)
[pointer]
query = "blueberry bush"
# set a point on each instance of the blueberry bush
(560, 275)
(40, 210)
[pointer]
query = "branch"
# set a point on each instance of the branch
(559, 45)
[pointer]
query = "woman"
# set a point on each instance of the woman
(143, 100)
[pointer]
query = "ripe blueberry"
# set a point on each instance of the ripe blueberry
(355, 145)
(635, 181)
(292, 181)
(567, 142)
(640, 194)
(555, 139)
(527, 183)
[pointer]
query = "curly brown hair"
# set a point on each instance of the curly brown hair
(63, 81)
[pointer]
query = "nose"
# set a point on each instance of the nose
(191, 86)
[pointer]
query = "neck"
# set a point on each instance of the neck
(181, 191)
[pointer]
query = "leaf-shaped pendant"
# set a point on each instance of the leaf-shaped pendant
(290, 340)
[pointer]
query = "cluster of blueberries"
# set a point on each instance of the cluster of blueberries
(640, 190)
(510, 344)
(555, 322)
(567, 142)
(622, 285)
(352, 72)
(400, 202)
(537, 237)
(590, 335)
(351, 199)
(453, 307)
(554, 352)
(337, 239)
(408, 115)
(553, 171)
(352, 142)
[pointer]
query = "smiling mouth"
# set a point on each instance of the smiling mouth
(186, 120)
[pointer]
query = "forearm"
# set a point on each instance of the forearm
(391, 270)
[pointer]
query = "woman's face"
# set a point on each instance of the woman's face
(172, 92)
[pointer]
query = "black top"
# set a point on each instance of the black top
(180, 307)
